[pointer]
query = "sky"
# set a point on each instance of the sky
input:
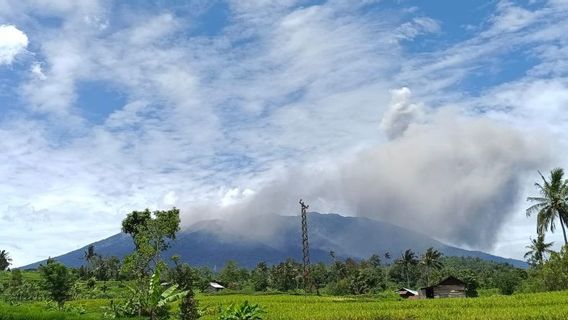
(433, 115)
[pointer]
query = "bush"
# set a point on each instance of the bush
(244, 311)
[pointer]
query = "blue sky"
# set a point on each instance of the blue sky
(405, 111)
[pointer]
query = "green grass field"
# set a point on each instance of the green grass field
(527, 306)
(552, 305)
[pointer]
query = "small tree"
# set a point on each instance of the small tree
(408, 261)
(259, 277)
(5, 260)
(184, 276)
(57, 281)
(431, 260)
(151, 233)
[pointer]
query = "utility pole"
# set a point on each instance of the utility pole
(305, 246)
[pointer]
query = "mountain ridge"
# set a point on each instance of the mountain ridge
(213, 242)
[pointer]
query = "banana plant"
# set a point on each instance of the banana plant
(244, 311)
(159, 299)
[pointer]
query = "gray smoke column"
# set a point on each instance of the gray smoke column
(454, 177)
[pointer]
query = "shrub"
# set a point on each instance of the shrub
(244, 311)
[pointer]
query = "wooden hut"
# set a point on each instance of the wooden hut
(450, 287)
(407, 293)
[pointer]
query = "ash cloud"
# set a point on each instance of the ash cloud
(453, 177)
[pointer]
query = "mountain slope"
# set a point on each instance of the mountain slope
(213, 242)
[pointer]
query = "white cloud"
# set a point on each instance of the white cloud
(12, 42)
(418, 26)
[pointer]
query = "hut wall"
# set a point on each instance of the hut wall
(449, 291)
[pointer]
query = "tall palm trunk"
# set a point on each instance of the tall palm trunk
(563, 231)
(407, 278)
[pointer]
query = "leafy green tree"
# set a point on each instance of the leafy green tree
(551, 204)
(204, 276)
(538, 249)
(57, 281)
(259, 277)
(375, 261)
(365, 280)
(89, 255)
(552, 275)
(16, 278)
(319, 276)
(431, 260)
(5, 260)
(337, 270)
(184, 276)
(471, 284)
(136, 221)
(233, 276)
(508, 282)
(151, 233)
(407, 261)
(286, 275)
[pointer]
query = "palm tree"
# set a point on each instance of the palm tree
(407, 260)
(387, 255)
(538, 249)
(5, 260)
(552, 204)
(431, 261)
(89, 255)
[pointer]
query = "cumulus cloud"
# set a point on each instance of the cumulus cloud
(12, 42)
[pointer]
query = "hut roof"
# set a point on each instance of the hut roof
(216, 285)
(451, 280)
(402, 290)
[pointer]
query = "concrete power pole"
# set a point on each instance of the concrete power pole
(305, 246)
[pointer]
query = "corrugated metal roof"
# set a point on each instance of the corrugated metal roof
(216, 285)
(414, 292)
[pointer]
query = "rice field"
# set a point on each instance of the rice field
(526, 306)
(544, 306)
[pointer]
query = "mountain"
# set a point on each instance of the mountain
(213, 242)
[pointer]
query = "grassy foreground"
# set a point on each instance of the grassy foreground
(552, 305)
(527, 306)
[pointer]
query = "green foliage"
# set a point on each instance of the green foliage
(150, 232)
(538, 249)
(57, 281)
(243, 311)
(431, 260)
(487, 274)
(285, 276)
(408, 262)
(551, 276)
(542, 306)
(5, 260)
(184, 276)
(232, 276)
(552, 204)
(204, 276)
(259, 277)
(153, 302)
